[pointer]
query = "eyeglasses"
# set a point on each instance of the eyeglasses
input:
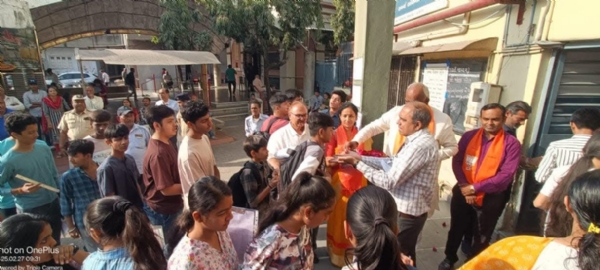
(301, 116)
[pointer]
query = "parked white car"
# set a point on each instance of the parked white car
(73, 79)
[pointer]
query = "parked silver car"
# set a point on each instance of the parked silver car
(73, 79)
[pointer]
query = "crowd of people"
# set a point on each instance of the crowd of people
(140, 198)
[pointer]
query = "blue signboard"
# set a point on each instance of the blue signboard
(407, 10)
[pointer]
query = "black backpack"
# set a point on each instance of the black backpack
(237, 189)
(266, 133)
(289, 167)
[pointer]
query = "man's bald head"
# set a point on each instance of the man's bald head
(298, 105)
(417, 92)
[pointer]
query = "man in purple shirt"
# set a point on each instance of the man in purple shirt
(464, 212)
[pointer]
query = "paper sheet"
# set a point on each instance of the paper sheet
(242, 229)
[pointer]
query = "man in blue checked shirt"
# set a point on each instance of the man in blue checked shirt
(78, 188)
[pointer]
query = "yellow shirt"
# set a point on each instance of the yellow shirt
(77, 125)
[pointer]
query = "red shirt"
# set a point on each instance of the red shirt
(279, 123)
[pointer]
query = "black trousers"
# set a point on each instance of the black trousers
(480, 220)
(410, 228)
(229, 86)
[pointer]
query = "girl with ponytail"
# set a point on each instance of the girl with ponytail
(579, 250)
(371, 226)
(125, 236)
(199, 237)
(283, 241)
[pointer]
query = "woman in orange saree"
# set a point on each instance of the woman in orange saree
(346, 180)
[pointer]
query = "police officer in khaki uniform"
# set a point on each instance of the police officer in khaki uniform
(75, 124)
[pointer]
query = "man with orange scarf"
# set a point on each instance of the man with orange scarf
(484, 167)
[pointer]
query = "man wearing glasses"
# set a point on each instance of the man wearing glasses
(289, 136)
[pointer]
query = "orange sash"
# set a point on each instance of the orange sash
(400, 138)
(517, 252)
(490, 164)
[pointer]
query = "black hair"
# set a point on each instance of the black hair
(80, 147)
(421, 114)
(586, 118)
(17, 122)
(203, 197)
(146, 98)
(292, 94)
(97, 81)
(156, 114)
(92, 85)
(561, 221)
(254, 102)
(491, 106)
(343, 96)
(328, 95)
(123, 101)
(584, 198)
(193, 110)
(317, 121)
(99, 116)
(116, 218)
(254, 143)
(372, 217)
(277, 99)
(18, 233)
(304, 189)
(116, 131)
(517, 106)
(346, 106)
(229, 66)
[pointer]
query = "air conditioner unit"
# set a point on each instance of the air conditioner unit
(481, 94)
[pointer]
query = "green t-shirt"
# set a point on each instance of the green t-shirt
(230, 74)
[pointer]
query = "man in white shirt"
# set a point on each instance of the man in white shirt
(105, 77)
(410, 175)
(441, 128)
(92, 102)
(163, 94)
(195, 158)
(33, 102)
(254, 122)
(139, 136)
(565, 152)
(12, 103)
(289, 136)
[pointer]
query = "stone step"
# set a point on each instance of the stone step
(220, 105)
(230, 110)
(231, 117)
(217, 122)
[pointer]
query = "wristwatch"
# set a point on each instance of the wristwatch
(75, 248)
(472, 189)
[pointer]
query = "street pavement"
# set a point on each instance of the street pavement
(230, 158)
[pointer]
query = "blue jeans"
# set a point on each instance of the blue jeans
(164, 220)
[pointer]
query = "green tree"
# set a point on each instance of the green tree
(264, 25)
(342, 21)
(176, 29)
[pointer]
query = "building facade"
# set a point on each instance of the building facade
(542, 52)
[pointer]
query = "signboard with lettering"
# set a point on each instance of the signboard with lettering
(407, 10)
(459, 76)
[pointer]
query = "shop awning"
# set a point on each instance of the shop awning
(488, 44)
(147, 57)
(399, 47)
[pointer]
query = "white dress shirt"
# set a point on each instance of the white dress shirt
(171, 104)
(93, 104)
(444, 133)
(561, 153)
(13, 103)
(105, 77)
(30, 97)
(410, 176)
(252, 125)
(283, 139)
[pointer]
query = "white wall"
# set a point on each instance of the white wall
(15, 14)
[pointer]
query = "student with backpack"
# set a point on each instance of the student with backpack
(282, 241)
(252, 185)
